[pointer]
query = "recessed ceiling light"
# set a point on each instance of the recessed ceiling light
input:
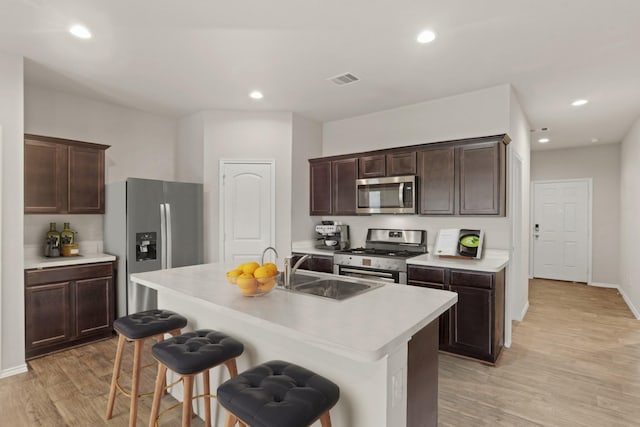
(543, 140)
(594, 140)
(426, 37)
(80, 31)
(579, 102)
(256, 94)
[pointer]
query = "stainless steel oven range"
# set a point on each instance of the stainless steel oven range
(384, 255)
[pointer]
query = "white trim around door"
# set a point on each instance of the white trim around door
(589, 238)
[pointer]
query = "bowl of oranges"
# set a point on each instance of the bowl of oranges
(254, 279)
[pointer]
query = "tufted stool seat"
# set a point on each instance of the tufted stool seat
(278, 394)
(188, 355)
(138, 327)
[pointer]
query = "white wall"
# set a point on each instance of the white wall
(142, 145)
(251, 136)
(630, 217)
(519, 149)
(602, 164)
(190, 149)
(12, 190)
(474, 114)
(307, 144)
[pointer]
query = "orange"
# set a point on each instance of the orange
(267, 286)
(263, 274)
(250, 290)
(271, 266)
(232, 276)
(250, 267)
(246, 281)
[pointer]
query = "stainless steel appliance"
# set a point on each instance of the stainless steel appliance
(391, 195)
(151, 225)
(384, 255)
(332, 236)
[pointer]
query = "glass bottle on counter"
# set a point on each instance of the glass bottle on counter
(53, 241)
(67, 235)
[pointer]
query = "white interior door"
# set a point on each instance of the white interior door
(561, 230)
(247, 209)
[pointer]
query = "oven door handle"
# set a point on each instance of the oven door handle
(366, 273)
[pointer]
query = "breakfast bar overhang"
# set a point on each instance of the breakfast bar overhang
(379, 347)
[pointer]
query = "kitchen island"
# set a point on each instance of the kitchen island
(380, 347)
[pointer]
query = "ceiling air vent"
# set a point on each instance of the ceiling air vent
(344, 79)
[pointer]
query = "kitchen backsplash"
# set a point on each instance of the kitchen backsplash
(88, 227)
(497, 230)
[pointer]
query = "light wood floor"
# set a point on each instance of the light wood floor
(575, 361)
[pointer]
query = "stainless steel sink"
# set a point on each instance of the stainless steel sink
(335, 288)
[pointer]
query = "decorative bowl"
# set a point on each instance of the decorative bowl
(254, 281)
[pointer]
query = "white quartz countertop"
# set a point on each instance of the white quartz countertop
(364, 327)
(36, 261)
(493, 260)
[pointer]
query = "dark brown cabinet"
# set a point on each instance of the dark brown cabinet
(67, 306)
(434, 278)
(482, 178)
(63, 176)
(320, 263)
(372, 166)
(474, 326)
(463, 179)
(343, 186)
(477, 320)
(437, 183)
(401, 164)
(320, 187)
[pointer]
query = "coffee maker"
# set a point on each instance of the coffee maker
(332, 236)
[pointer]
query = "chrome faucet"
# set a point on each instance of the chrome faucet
(268, 248)
(289, 271)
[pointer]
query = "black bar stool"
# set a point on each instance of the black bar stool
(138, 327)
(278, 394)
(188, 355)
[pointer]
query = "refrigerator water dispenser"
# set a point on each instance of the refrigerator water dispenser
(146, 246)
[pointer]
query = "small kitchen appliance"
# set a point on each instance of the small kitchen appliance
(389, 195)
(384, 256)
(332, 236)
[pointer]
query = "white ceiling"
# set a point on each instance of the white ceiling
(179, 57)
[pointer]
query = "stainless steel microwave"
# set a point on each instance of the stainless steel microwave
(391, 195)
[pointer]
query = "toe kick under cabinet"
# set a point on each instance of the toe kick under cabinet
(67, 306)
(474, 326)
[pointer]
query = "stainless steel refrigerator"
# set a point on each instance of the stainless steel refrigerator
(151, 225)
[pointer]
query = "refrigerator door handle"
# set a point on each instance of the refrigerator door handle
(163, 237)
(169, 245)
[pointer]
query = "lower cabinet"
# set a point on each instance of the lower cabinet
(66, 306)
(474, 326)
(320, 263)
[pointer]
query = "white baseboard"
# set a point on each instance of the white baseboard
(523, 313)
(626, 299)
(20, 369)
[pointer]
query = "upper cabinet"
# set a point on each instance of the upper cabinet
(463, 179)
(391, 164)
(320, 187)
(333, 186)
(63, 176)
(343, 186)
(372, 166)
(401, 164)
